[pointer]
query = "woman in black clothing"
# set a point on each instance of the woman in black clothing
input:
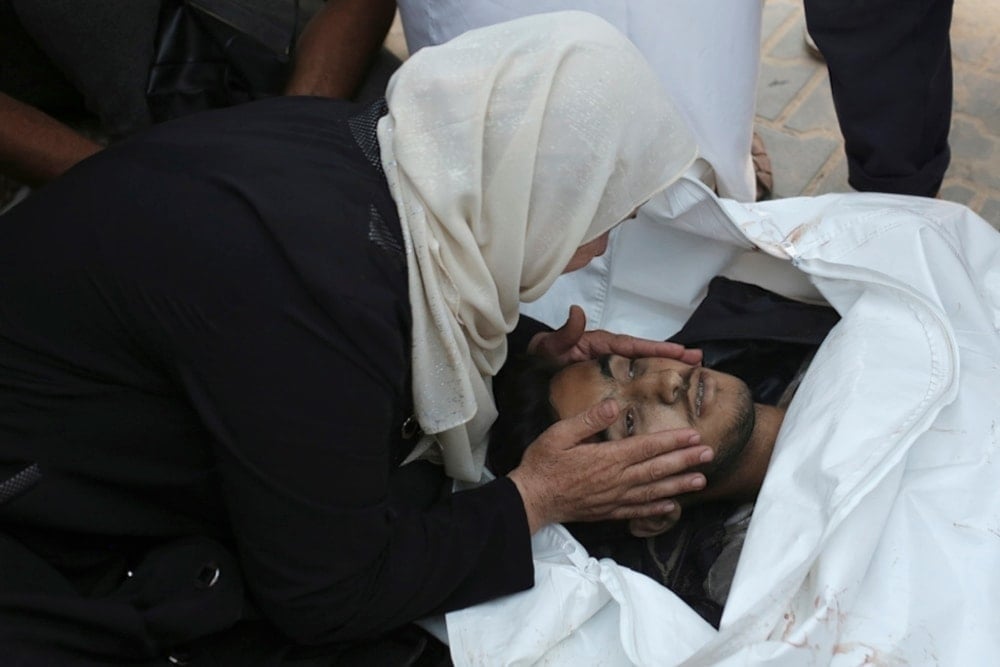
(234, 352)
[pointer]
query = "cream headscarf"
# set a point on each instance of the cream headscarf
(506, 149)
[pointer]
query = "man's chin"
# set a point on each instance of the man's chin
(731, 448)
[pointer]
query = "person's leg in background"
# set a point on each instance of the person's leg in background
(27, 74)
(340, 54)
(891, 78)
(104, 48)
(33, 91)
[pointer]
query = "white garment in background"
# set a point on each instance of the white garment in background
(505, 150)
(876, 535)
(706, 53)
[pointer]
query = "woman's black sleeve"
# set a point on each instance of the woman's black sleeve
(301, 418)
(252, 259)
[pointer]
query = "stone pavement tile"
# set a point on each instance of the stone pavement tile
(993, 61)
(775, 14)
(974, 32)
(968, 140)
(796, 160)
(971, 47)
(976, 94)
(957, 193)
(990, 212)
(816, 112)
(977, 172)
(791, 45)
(778, 86)
(832, 178)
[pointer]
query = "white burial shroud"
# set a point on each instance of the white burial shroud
(876, 536)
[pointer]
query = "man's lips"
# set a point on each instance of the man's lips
(696, 392)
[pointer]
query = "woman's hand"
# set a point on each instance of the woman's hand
(563, 477)
(572, 342)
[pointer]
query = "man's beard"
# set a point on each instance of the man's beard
(730, 449)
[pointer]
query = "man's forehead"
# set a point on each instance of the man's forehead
(602, 368)
(579, 371)
(581, 381)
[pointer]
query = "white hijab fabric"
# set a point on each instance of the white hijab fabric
(505, 150)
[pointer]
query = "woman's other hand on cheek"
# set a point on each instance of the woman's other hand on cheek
(566, 476)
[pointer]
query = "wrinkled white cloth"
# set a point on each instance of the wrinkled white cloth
(705, 53)
(876, 535)
(505, 150)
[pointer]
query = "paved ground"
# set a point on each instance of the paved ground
(799, 126)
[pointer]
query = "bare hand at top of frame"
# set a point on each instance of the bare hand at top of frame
(566, 476)
(572, 342)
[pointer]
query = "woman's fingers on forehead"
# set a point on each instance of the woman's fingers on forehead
(692, 356)
(632, 347)
(650, 348)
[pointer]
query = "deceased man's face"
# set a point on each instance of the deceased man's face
(657, 394)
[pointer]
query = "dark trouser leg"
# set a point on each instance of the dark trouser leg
(26, 73)
(891, 77)
(104, 48)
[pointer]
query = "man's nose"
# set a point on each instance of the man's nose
(666, 386)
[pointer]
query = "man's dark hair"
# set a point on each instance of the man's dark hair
(521, 391)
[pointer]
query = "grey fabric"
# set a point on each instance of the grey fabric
(19, 483)
(273, 23)
(363, 128)
(720, 576)
(381, 235)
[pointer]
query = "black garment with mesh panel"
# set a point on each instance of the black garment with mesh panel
(204, 350)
